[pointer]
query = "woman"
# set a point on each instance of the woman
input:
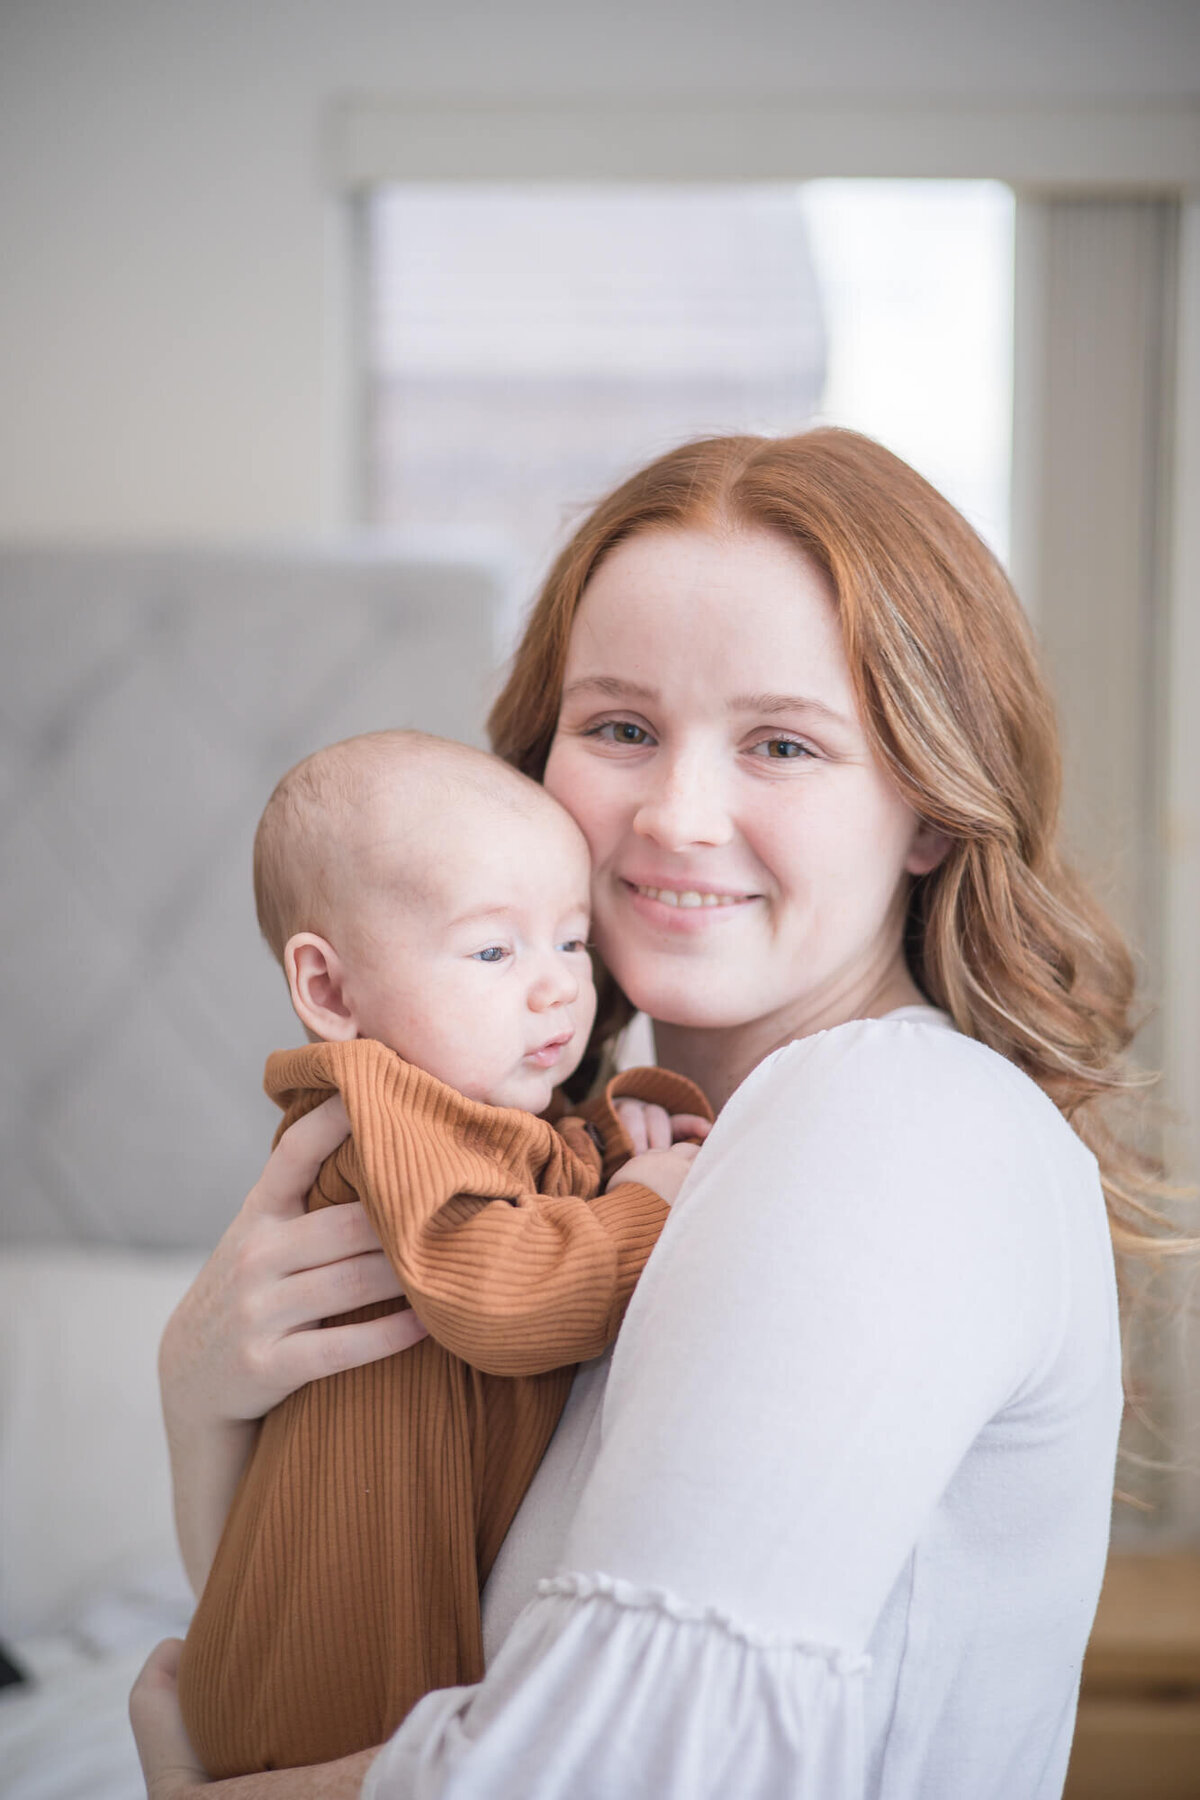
(842, 1528)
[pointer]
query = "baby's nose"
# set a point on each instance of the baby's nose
(555, 985)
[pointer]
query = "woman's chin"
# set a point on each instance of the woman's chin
(691, 1006)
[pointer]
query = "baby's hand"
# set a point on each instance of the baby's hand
(661, 1170)
(653, 1128)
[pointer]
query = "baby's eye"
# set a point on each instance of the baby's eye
(621, 731)
(573, 945)
(493, 954)
(780, 749)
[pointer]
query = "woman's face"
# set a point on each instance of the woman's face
(750, 858)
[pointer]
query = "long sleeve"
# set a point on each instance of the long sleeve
(656, 1087)
(848, 1516)
(346, 1583)
(481, 1209)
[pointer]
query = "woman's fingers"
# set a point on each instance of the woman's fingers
(169, 1763)
(293, 1165)
(160, 1671)
(243, 1336)
(329, 1235)
(323, 1290)
(312, 1355)
(269, 1278)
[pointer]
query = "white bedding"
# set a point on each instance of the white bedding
(89, 1576)
(65, 1735)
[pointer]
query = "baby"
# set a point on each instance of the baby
(429, 906)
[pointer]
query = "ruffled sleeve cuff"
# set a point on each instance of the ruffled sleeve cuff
(604, 1689)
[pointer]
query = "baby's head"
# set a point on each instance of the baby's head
(426, 894)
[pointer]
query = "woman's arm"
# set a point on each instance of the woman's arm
(243, 1336)
(866, 1267)
(173, 1772)
(877, 1239)
(511, 1270)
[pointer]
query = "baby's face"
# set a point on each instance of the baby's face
(466, 948)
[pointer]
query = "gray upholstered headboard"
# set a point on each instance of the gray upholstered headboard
(148, 703)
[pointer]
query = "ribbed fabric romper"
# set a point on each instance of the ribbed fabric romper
(346, 1583)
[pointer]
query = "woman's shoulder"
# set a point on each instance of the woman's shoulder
(907, 1079)
(916, 1051)
(895, 1170)
(905, 1151)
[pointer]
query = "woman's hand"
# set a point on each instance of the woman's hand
(170, 1765)
(243, 1336)
(173, 1771)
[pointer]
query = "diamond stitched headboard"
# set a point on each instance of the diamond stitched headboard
(148, 703)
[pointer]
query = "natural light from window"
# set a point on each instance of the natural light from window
(528, 345)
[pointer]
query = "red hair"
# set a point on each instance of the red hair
(1002, 934)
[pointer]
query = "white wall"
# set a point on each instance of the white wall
(171, 330)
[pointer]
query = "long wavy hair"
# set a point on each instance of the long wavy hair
(1002, 934)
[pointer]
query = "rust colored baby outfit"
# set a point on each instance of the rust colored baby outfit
(347, 1581)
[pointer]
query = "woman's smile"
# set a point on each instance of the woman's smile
(750, 856)
(685, 905)
(674, 893)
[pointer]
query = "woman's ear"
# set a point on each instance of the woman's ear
(318, 981)
(928, 847)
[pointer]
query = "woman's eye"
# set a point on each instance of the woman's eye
(493, 954)
(783, 749)
(621, 731)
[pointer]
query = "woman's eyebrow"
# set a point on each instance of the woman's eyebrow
(789, 703)
(613, 687)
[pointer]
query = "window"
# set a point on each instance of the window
(530, 345)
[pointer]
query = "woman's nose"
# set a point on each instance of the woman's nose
(684, 807)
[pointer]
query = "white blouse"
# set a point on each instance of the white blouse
(843, 1503)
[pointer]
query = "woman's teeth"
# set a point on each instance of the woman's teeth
(689, 897)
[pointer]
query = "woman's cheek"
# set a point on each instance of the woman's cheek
(573, 781)
(556, 777)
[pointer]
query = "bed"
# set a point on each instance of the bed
(148, 702)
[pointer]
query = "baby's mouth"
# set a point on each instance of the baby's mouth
(547, 1054)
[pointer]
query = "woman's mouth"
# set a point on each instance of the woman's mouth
(689, 897)
(685, 909)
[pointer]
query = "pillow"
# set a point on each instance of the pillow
(84, 1488)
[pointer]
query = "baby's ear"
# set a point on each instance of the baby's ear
(317, 982)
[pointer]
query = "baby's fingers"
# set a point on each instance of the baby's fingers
(690, 1125)
(632, 1114)
(648, 1127)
